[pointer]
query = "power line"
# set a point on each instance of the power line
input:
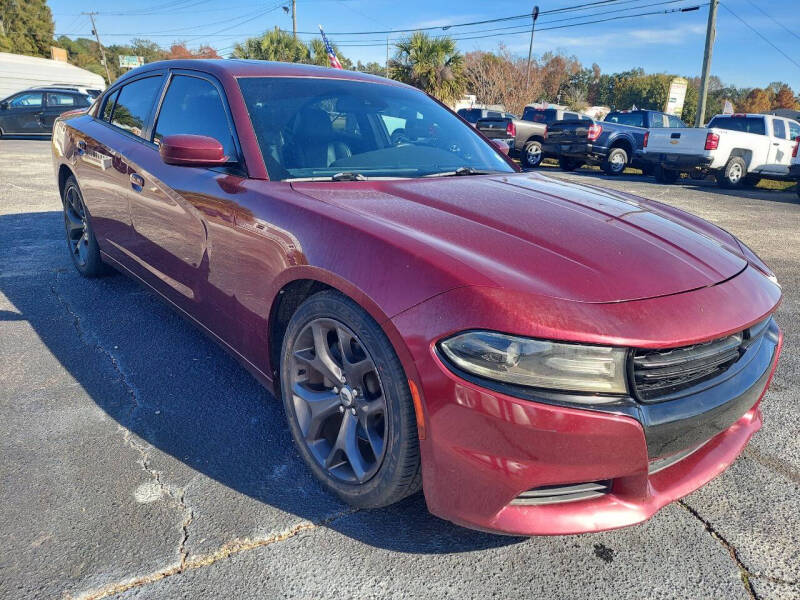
(762, 36)
(774, 20)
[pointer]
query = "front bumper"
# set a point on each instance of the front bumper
(486, 448)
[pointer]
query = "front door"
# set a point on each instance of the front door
(22, 114)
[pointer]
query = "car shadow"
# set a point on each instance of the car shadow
(160, 378)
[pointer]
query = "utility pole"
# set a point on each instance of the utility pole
(534, 16)
(387, 57)
(97, 37)
(711, 33)
(294, 19)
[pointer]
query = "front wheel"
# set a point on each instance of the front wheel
(615, 162)
(733, 174)
(348, 403)
(532, 155)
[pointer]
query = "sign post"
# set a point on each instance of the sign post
(676, 96)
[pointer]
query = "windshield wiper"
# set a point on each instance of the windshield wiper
(460, 171)
(348, 176)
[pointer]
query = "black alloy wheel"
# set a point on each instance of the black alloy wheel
(81, 241)
(348, 402)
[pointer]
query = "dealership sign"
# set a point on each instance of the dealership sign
(130, 62)
(676, 96)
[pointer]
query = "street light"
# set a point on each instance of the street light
(534, 15)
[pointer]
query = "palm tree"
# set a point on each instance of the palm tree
(431, 64)
(273, 45)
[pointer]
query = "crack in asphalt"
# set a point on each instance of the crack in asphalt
(233, 547)
(176, 495)
(744, 572)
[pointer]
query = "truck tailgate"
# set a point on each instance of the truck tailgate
(677, 140)
(568, 132)
(493, 128)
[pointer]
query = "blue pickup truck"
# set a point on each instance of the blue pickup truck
(613, 143)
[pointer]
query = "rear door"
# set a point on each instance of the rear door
(59, 102)
(22, 114)
(780, 149)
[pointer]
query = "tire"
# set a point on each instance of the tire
(532, 154)
(569, 164)
(80, 238)
(666, 176)
(363, 443)
(734, 173)
(615, 162)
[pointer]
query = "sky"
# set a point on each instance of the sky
(671, 43)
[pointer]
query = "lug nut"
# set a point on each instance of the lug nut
(335, 390)
(352, 411)
(341, 408)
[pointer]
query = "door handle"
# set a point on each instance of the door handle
(776, 143)
(137, 182)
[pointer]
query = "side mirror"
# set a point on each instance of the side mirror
(192, 151)
(501, 145)
(4, 105)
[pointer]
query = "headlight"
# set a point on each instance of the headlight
(538, 363)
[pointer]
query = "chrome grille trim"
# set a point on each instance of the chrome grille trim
(555, 494)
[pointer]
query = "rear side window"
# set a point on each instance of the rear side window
(635, 119)
(569, 116)
(745, 124)
(58, 99)
(134, 104)
(194, 106)
(794, 130)
(779, 128)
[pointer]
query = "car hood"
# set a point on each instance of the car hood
(543, 236)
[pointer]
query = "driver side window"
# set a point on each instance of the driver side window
(26, 100)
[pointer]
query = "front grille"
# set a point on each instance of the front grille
(660, 373)
(554, 494)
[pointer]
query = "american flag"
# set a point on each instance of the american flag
(331, 54)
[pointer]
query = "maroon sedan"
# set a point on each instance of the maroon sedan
(539, 357)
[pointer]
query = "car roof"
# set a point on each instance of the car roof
(238, 67)
(55, 88)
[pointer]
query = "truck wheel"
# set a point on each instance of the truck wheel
(532, 155)
(569, 164)
(733, 174)
(615, 162)
(666, 175)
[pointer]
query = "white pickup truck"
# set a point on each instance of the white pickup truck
(738, 149)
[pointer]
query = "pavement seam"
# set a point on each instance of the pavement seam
(744, 572)
(231, 548)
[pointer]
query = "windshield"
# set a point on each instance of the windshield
(317, 128)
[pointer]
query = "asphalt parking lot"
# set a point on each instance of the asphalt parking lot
(138, 460)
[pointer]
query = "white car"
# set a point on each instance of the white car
(738, 149)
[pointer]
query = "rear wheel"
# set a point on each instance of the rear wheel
(348, 403)
(666, 175)
(733, 174)
(569, 164)
(615, 162)
(81, 241)
(532, 155)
